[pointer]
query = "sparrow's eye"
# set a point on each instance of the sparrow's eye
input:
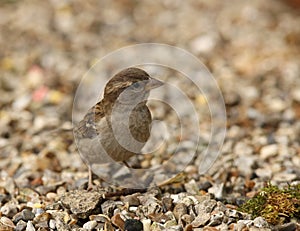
(137, 86)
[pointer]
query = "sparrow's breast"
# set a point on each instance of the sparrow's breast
(127, 133)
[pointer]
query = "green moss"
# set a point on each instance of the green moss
(276, 205)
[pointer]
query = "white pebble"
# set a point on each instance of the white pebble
(146, 224)
(268, 151)
(264, 173)
(52, 224)
(21, 103)
(90, 225)
(204, 44)
(260, 222)
(30, 226)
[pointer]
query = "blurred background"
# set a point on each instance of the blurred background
(252, 48)
(47, 46)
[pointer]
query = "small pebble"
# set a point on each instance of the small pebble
(205, 186)
(216, 219)
(287, 227)
(51, 196)
(30, 226)
(6, 223)
(264, 173)
(179, 210)
(204, 44)
(99, 218)
(17, 217)
(146, 224)
(201, 220)
(21, 225)
(260, 222)
(133, 225)
(118, 221)
(9, 209)
(27, 215)
(132, 200)
(268, 151)
(90, 225)
(167, 203)
(52, 224)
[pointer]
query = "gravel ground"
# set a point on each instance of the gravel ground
(253, 50)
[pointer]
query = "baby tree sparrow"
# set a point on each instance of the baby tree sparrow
(119, 125)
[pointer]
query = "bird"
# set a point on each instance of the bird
(119, 125)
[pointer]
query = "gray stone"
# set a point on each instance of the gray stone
(21, 225)
(287, 227)
(244, 223)
(17, 217)
(108, 207)
(201, 220)
(27, 215)
(205, 206)
(9, 209)
(82, 203)
(260, 222)
(216, 219)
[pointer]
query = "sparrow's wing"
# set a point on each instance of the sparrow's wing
(87, 128)
(88, 134)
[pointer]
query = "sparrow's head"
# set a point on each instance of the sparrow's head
(130, 86)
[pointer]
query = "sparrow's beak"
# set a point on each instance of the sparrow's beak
(153, 83)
